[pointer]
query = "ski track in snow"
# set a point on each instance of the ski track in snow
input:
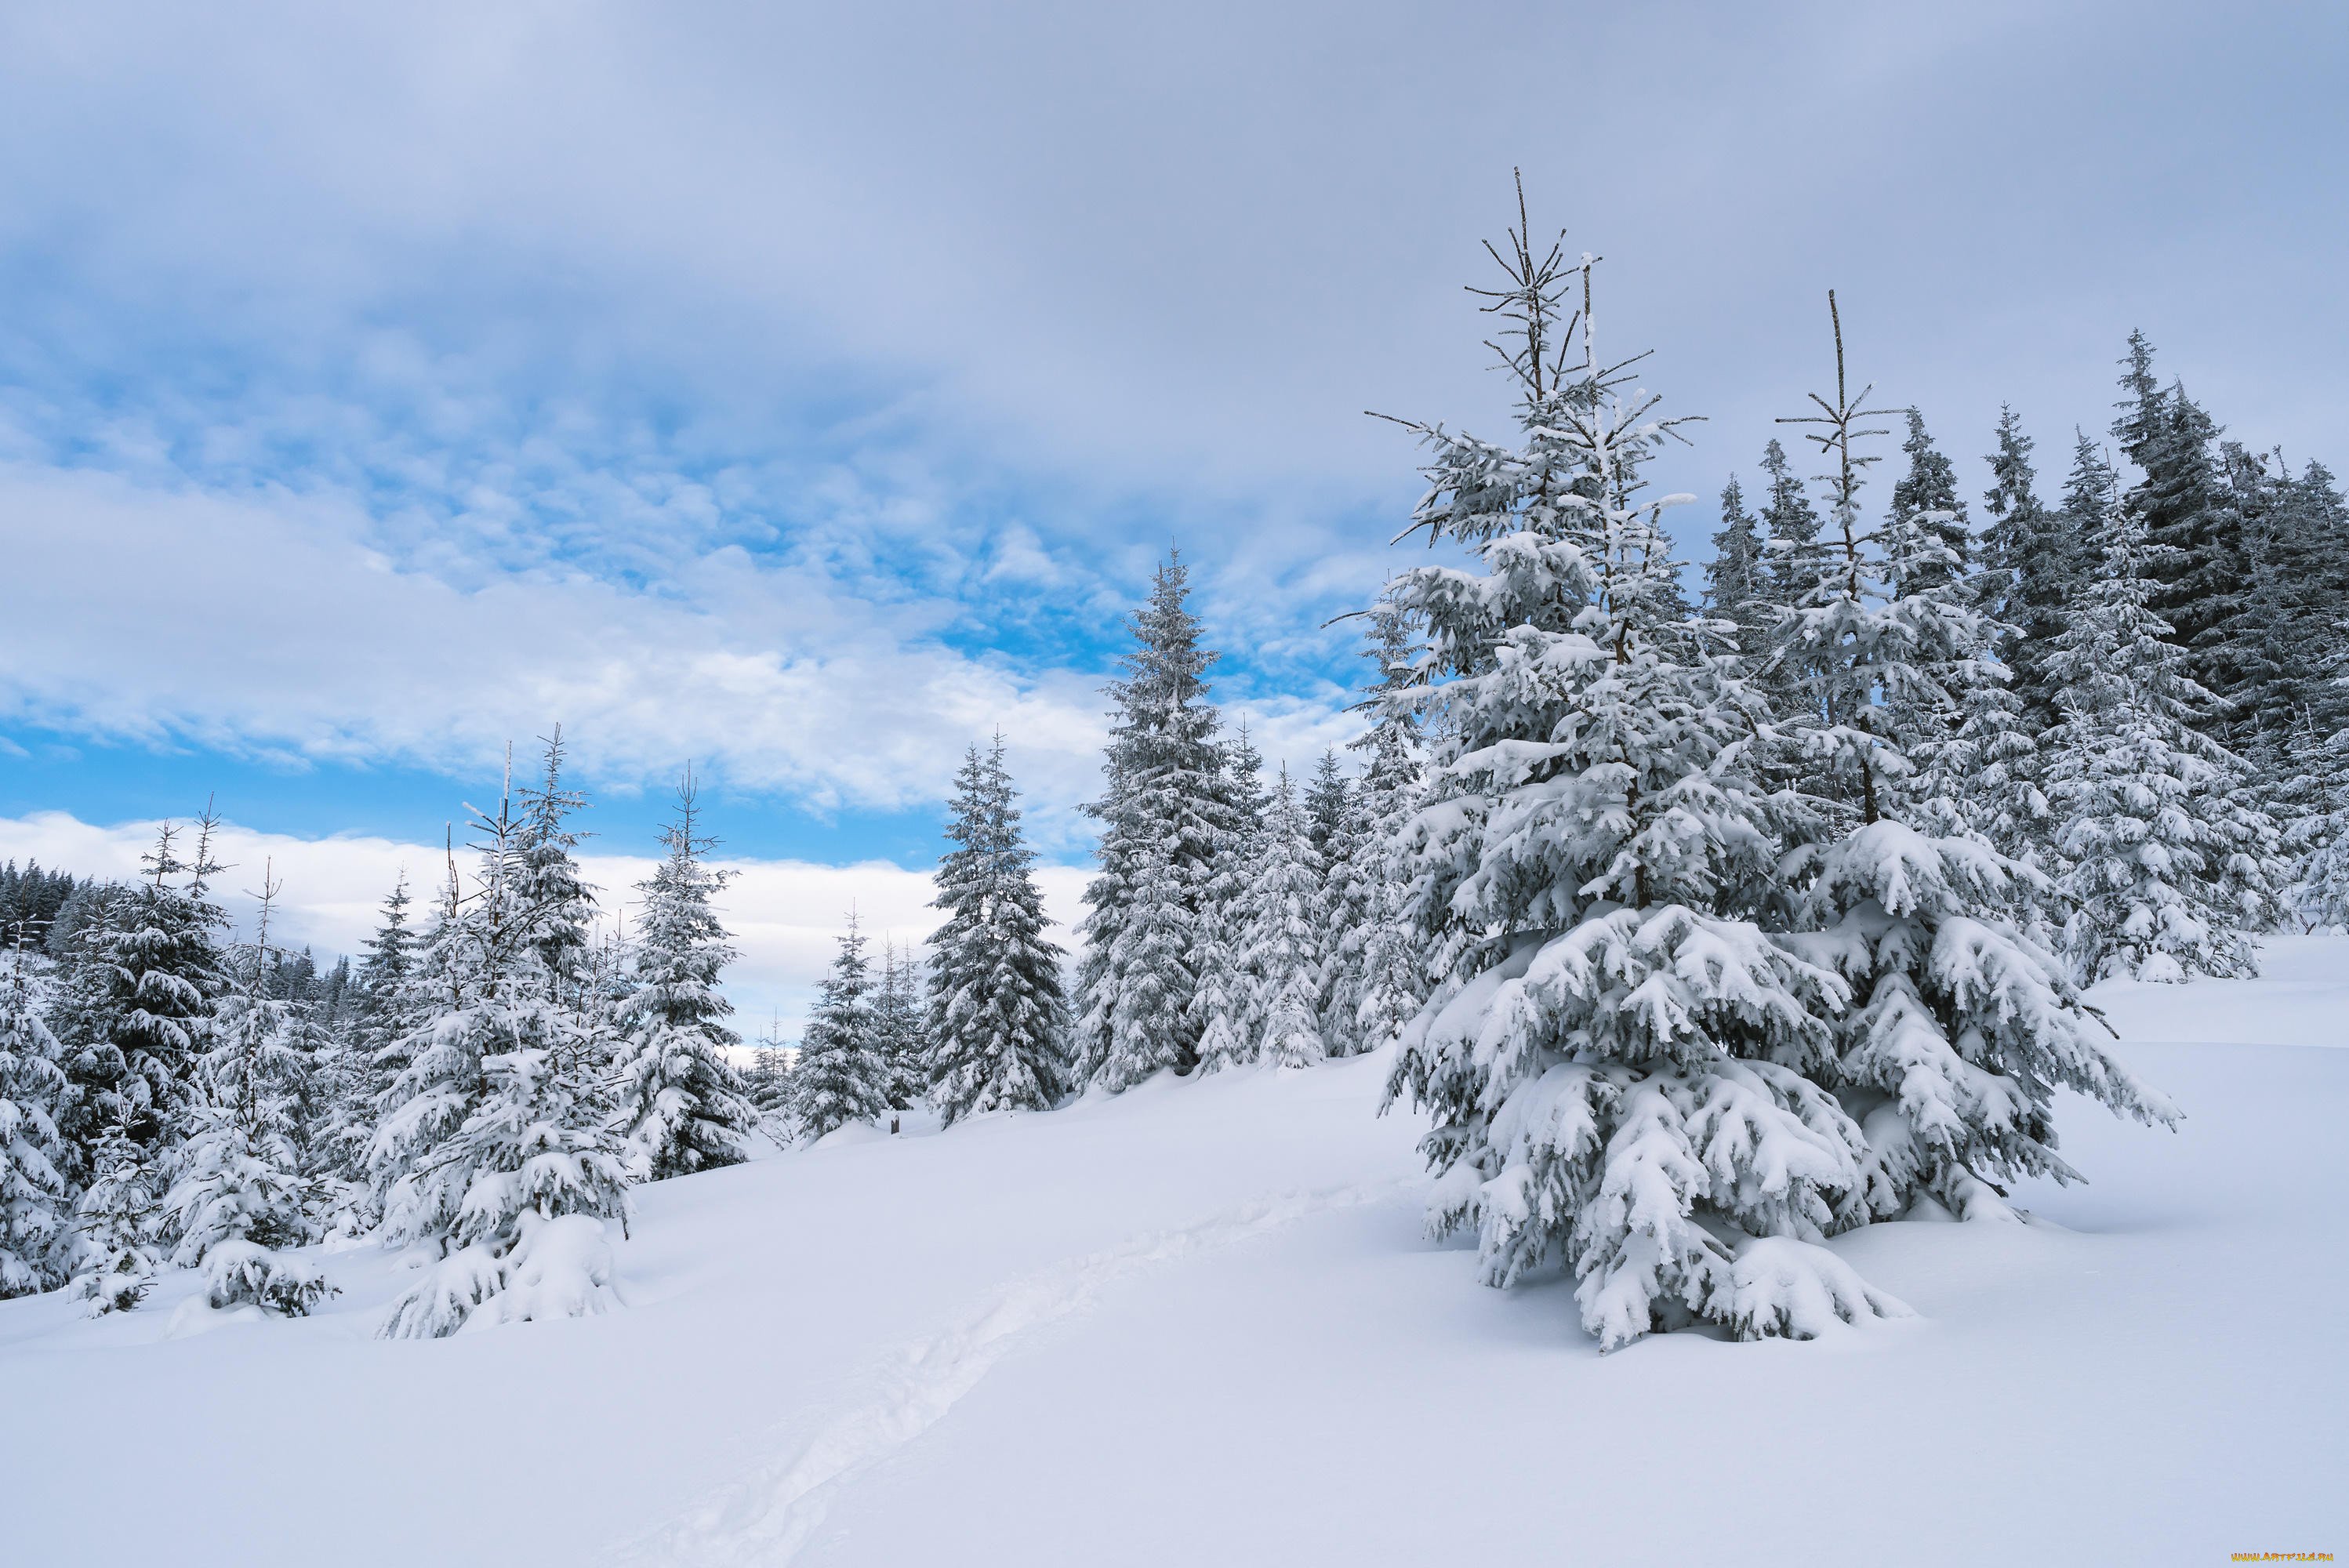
(767, 1515)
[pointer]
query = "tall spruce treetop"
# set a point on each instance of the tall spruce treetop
(1616, 1069)
(1962, 1025)
(996, 1009)
(1736, 580)
(2193, 530)
(684, 1104)
(546, 877)
(2032, 564)
(1790, 524)
(1926, 497)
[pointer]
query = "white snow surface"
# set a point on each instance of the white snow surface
(1197, 1322)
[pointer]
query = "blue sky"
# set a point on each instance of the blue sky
(807, 391)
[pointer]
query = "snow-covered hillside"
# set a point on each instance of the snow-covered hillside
(1197, 1324)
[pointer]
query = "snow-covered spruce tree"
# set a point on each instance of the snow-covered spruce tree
(2194, 535)
(1394, 972)
(2032, 563)
(1340, 838)
(1961, 1026)
(1791, 545)
(2319, 895)
(497, 1147)
(546, 876)
(899, 1031)
(683, 1106)
(116, 1221)
(1150, 1026)
(34, 1199)
(375, 1026)
(1169, 807)
(240, 1195)
(1284, 938)
(995, 1012)
(1926, 498)
(1615, 1065)
(1737, 578)
(2168, 874)
(841, 1075)
(140, 991)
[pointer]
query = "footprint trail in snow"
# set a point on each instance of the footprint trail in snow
(766, 1516)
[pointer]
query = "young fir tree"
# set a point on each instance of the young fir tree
(2167, 875)
(682, 1104)
(1737, 578)
(116, 1221)
(242, 1196)
(996, 1011)
(1961, 1026)
(1791, 544)
(1168, 813)
(1284, 938)
(1616, 1063)
(141, 988)
(33, 1194)
(1394, 972)
(841, 1075)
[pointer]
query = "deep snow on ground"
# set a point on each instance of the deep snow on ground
(1198, 1324)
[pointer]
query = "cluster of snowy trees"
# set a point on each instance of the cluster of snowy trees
(1753, 924)
(2151, 711)
(481, 1088)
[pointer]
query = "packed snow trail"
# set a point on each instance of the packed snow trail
(768, 1515)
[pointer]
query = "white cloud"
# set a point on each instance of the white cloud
(260, 622)
(785, 915)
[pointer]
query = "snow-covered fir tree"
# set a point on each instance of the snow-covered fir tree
(497, 1146)
(117, 1221)
(997, 1017)
(2032, 563)
(241, 1197)
(1151, 1023)
(2168, 874)
(139, 987)
(1737, 578)
(2194, 548)
(34, 1200)
(1961, 1024)
(1339, 834)
(841, 1075)
(1167, 813)
(683, 1106)
(1392, 978)
(899, 1032)
(1926, 498)
(1616, 1066)
(1790, 524)
(1284, 940)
